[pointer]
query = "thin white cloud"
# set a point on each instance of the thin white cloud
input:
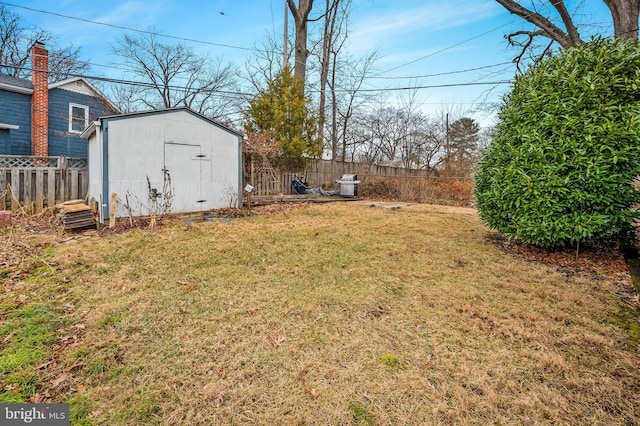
(131, 13)
(405, 56)
(423, 19)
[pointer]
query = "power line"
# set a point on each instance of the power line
(452, 46)
(229, 46)
(443, 49)
(442, 73)
(375, 76)
(254, 49)
(228, 92)
(432, 86)
(130, 82)
(273, 22)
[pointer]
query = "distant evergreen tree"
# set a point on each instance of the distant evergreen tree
(463, 139)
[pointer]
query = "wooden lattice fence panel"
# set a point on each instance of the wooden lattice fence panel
(36, 183)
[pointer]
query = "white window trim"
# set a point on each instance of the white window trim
(86, 117)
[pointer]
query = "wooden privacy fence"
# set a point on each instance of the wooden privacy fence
(325, 172)
(272, 180)
(36, 183)
(377, 181)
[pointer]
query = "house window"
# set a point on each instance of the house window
(78, 118)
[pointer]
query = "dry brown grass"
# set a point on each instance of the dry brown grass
(341, 314)
(436, 190)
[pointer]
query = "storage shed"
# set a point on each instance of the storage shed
(163, 161)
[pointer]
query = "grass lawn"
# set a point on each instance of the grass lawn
(325, 314)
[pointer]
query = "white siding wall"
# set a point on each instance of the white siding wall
(202, 159)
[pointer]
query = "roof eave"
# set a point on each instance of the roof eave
(90, 130)
(94, 88)
(16, 89)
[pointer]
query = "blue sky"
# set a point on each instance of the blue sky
(414, 39)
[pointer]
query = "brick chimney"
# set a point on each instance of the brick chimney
(40, 100)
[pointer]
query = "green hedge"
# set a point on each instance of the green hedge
(566, 149)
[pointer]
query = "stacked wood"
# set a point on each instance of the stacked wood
(75, 215)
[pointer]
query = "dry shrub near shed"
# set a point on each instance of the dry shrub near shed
(378, 187)
(457, 191)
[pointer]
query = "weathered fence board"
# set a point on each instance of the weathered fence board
(36, 188)
(411, 184)
(51, 189)
(3, 181)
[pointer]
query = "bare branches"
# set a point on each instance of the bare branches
(16, 38)
(178, 77)
(261, 143)
(565, 38)
(572, 31)
(623, 12)
(526, 46)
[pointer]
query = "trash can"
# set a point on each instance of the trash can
(348, 185)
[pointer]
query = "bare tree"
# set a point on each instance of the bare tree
(301, 18)
(397, 136)
(419, 144)
(334, 35)
(170, 75)
(346, 98)
(16, 39)
(624, 14)
(389, 128)
(265, 64)
(565, 37)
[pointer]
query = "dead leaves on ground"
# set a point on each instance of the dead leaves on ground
(13, 253)
(604, 262)
(210, 391)
(263, 210)
(306, 387)
(277, 340)
(189, 286)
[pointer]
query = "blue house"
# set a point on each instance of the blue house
(42, 119)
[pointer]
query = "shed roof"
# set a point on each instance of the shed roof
(91, 128)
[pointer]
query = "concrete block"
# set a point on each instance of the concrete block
(5, 217)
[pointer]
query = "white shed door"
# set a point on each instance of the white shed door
(184, 164)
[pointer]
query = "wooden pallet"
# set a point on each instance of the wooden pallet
(76, 215)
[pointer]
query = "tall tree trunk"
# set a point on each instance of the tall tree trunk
(300, 16)
(625, 17)
(334, 109)
(329, 24)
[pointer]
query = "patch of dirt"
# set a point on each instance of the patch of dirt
(124, 225)
(599, 261)
(385, 204)
(26, 236)
(12, 252)
(21, 245)
(264, 210)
